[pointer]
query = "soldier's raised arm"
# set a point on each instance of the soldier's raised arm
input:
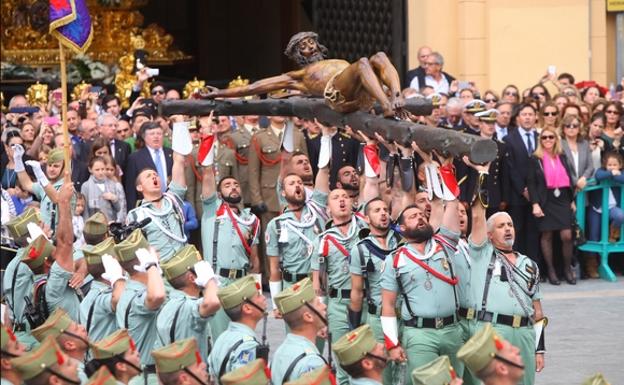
(206, 156)
(63, 254)
(479, 203)
(321, 183)
(181, 133)
(372, 169)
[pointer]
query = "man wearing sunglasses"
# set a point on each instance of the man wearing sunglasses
(158, 92)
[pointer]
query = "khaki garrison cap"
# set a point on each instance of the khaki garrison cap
(112, 345)
(127, 248)
(354, 345)
(102, 377)
(319, 376)
(488, 116)
(96, 224)
(56, 155)
(253, 373)
(37, 252)
(93, 254)
(437, 372)
(294, 297)
(596, 379)
(6, 335)
(181, 262)
(237, 292)
(480, 349)
(18, 226)
(177, 356)
(39, 359)
(54, 326)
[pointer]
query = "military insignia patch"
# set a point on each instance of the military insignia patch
(245, 357)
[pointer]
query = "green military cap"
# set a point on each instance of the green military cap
(480, 349)
(18, 226)
(238, 291)
(112, 345)
(436, 372)
(56, 155)
(177, 356)
(253, 373)
(488, 116)
(475, 106)
(6, 335)
(319, 376)
(57, 323)
(127, 248)
(96, 224)
(39, 359)
(103, 376)
(596, 379)
(93, 254)
(37, 252)
(294, 297)
(354, 345)
(181, 262)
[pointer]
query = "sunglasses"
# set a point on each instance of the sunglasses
(156, 92)
(511, 93)
(193, 130)
(614, 112)
(569, 93)
(549, 113)
(571, 125)
(534, 94)
(548, 137)
(491, 100)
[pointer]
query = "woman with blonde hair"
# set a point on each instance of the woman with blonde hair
(551, 192)
(548, 116)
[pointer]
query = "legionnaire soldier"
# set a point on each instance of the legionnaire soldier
(180, 363)
(230, 233)
(304, 313)
(361, 356)
(71, 336)
(186, 313)
(437, 372)
(493, 359)
(505, 286)
(102, 377)
(47, 364)
(319, 376)
(97, 309)
(253, 373)
(10, 348)
(118, 354)
(421, 273)
(143, 298)
(237, 345)
(165, 231)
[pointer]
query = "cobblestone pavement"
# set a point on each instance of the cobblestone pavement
(585, 334)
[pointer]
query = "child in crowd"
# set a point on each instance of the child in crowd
(112, 173)
(21, 198)
(99, 191)
(611, 170)
(78, 221)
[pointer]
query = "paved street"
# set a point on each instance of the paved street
(585, 333)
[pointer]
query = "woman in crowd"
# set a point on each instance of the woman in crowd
(99, 191)
(612, 111)
(597, 144)
(572, 93)
(571, 109)
(585, 111)
(560, 101)
(27, 130)
(548, 116)
(591, 94)
(490, 98)
(9, 176)
(576, 150)
(511, 94)
(599, 105)
(551, 194)
(540, 93)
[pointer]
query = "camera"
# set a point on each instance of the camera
(121, 231)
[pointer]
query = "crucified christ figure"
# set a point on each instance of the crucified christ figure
(346, 87)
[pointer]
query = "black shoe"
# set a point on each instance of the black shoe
(570, 278)
(554, 281)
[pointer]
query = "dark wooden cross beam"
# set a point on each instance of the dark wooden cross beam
(480, 150)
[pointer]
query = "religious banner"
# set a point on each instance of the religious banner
(71, 24)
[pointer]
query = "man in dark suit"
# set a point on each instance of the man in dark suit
(521, 144)
(345, 151)
(153, 156)
(423, 53)
(107, 127)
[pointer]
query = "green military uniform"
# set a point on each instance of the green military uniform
(239, 141)
(429, 301)
(176, 356)
(114, 344)
(331, 259)
(102, 377)
(436, 372)
(224, 248)
(96, 311)
(179, 318)
(237, 345)
(58, 293)
(46, 205)
(58, 323)
(225, 161)
(355, 346)
(319, 376)
(253, 373)
(296, 355)
(166, 230)
(133, 314)
(45, 358)
(293, 240)
(509, 307)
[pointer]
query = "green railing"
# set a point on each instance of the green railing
(603, 247)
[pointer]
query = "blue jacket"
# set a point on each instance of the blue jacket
(595, 197)
(190, 222)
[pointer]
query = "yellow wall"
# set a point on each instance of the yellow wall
(495, 42)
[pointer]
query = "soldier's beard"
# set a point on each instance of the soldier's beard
(349, 186)
(232, 199)
(419, 235)
(294, 200)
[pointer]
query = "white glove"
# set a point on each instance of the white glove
(39, 174)
(112, 269)
(275, 287)
(204, 273)
(18, 152)
(34, 231)
(325, 151)
(146, 258)
(181, 141)
(288, 138)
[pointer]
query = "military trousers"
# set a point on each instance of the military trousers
(469, 327)
(524, 339)
(423, 345)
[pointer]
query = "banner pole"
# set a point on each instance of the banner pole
(66, 138)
